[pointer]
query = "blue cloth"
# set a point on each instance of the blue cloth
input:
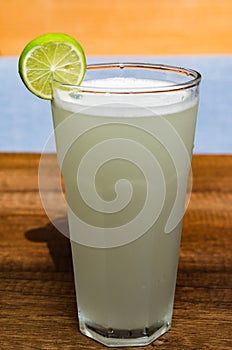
(26, 121)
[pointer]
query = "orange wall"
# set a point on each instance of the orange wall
(106, 27)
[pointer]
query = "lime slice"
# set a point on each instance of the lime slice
(49, 56)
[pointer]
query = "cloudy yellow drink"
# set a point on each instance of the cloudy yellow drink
(125, 160)
(124, 142)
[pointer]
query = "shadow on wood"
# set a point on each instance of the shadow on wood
(58, 245)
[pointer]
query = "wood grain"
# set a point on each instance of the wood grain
(38, 308)
(123, 27)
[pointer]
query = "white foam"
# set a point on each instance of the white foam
(107, 102)
(131, 84)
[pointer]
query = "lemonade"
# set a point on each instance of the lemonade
(124, 142)
(125, 279)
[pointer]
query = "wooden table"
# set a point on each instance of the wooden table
(38, 308)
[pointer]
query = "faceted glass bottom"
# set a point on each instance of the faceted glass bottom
(120, 337)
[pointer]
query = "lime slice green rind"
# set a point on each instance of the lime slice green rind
(51, 56)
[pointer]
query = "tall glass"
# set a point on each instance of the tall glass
(124, 143)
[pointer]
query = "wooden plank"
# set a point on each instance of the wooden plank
(37, 296)
(121, 27)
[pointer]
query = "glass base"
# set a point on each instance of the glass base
(120, 337)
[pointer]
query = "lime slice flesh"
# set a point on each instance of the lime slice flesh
(51, 56)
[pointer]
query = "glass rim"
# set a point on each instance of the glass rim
(195, 79)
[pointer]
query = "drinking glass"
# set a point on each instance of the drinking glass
(124, 142)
